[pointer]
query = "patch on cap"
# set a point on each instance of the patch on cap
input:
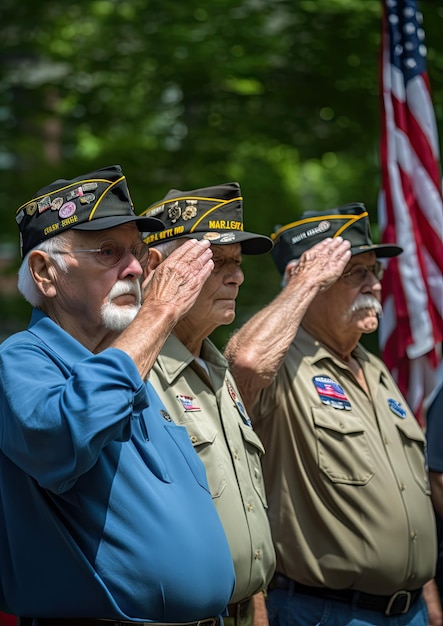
(94, 201)
(211, 213)
(350, 221)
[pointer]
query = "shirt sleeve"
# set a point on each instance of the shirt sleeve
(57, 418)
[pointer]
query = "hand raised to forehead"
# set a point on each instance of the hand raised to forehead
(323, 264)
(179, 279)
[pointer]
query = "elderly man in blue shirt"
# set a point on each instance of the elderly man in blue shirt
(105, 512)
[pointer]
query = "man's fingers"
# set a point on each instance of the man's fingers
(324, 262)
(179, 279)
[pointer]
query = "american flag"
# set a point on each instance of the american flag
(410, 208)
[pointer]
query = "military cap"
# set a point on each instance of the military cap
(212, 213)
(94, 201)
(350, 221)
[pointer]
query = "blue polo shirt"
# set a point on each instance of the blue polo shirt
(105, 511)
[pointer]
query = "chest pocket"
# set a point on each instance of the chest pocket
(254, 450)
(342, 449)
(414, 446)
(206, 441)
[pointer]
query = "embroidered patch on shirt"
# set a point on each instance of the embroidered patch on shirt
(331, 393)
(188, 403)
(396, 408)
(241, 409)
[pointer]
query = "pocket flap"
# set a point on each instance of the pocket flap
(201, 432)
(410, 428)
(337, 420)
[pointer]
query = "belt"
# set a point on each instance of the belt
(54, 621)
(398, 603)
(240, 610)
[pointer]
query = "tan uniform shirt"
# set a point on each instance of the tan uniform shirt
(349, 498)
(209, 406)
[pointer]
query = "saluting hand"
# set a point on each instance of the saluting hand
(179, 279)
(323, 264)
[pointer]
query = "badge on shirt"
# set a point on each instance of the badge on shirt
(165, 415)
(188, 403)
(331, 393)
(397, 408)
(241, 409)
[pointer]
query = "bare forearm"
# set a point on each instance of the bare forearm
(256, 351)
(145, 337)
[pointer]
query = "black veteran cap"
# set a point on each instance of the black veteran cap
(349, 221)
(212, 213)
(94, 201)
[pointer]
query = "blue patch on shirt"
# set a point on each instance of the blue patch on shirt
(396, 408)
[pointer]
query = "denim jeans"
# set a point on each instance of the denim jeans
(286, 608)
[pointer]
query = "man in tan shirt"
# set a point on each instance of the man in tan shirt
(192, 378)
(349, 499)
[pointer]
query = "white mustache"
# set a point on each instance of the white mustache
(125, 287)
(367, 301)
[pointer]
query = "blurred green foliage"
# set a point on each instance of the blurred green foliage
(281, 96)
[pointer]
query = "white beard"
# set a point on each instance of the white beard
(367, 301)
(116, 317)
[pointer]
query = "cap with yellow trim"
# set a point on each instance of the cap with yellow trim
(212, 213)
(95, 201)
(350, 221)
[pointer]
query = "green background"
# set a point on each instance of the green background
(280, 96)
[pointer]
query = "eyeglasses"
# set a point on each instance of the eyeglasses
(110, 253)
(359, 273)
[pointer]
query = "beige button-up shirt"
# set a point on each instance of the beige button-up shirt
(348, 493)
(205, 399)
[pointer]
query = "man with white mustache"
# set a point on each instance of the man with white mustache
(102, 497)
(117, 317)
(348, 491)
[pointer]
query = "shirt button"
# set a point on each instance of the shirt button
(193, 439)
(257, 555)
(250, 506)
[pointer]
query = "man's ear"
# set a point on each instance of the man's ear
(43, 273)
(155, 258)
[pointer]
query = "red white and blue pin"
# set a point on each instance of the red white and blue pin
(188, 403)
(331, 393)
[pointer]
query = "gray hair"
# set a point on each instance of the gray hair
(26, 284)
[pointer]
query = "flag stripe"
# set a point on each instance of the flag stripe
(414, 136)
(410, 206)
